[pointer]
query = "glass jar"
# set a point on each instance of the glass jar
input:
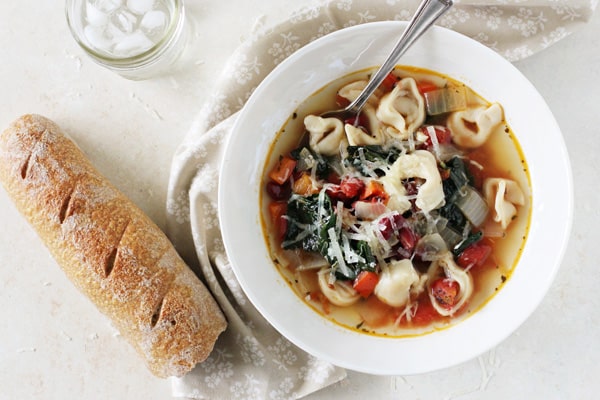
(138, 39)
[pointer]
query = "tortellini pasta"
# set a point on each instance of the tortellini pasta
(455, 273)
(473, 126)
(397, 281)
(373, 136)
(352, 90)
(419, 164)
(327, 135)
(502, 196)
(403, 109)
(337, 292)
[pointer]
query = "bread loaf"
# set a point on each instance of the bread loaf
(109, 248)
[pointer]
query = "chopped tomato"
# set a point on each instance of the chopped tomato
(283, 170)
(365, 283)
(352, 187)
(426, 86)
(389, 81)
(374, 191)
(445, 292)
(474, 255)
(277, 210)
(336, 193)
(348, 189)
(442, 134)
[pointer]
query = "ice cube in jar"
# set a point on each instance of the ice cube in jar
(124, 28)
(138, 39)
(154, 21)
(140, 7)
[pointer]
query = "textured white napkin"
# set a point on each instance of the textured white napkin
(251, 360)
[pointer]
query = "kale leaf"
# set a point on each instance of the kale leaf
(309, 220)
(307, 229)
(375, 155)
(459, 177)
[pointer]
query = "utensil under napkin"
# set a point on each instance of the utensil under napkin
(251, 360)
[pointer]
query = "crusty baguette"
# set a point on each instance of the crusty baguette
(109, 248)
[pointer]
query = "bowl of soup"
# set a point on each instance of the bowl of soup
(413, 236)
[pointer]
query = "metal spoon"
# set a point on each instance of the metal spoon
(428, 12)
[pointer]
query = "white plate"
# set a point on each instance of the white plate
(310, 69)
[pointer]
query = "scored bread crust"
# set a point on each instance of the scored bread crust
(109, 248)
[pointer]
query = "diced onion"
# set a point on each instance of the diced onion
(450, 236)
(448, 151)
(369, 209)
(445, 100)
(431, 247)
(305, 260)
(306, 160)
(473, 205)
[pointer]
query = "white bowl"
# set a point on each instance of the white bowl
(308, 70)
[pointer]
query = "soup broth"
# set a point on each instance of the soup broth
(404, 219)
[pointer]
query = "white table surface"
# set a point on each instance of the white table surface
(55, 345)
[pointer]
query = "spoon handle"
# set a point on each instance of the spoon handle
(428, 12)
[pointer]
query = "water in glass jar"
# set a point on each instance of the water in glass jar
(125, 28)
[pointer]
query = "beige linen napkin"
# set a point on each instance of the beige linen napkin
(251, 360)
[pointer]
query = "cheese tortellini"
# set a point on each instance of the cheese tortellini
(337, 292)
(403, 109)
(419, 164)
(398, 280)
(502, 196)
(327, 135)
(351, 91)
(472, 127)
(359, 137)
